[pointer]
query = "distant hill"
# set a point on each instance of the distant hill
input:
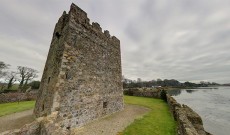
(228, 84)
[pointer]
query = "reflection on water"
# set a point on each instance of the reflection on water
(212, 104)
(190, 91)
(178, 92)
(174, 92)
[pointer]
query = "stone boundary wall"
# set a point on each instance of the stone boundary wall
(189, 122)
(143, 92)
(17, 96)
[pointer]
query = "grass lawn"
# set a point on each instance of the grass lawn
(158, 121)
(9, 108)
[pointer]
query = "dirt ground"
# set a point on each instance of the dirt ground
(113, 124)
(110, 125)
(16, 120)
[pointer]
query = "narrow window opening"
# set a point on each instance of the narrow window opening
(68, 128)
(105, 104)
(49, 80)
(43, 107)
(67, 75)
(58, 35)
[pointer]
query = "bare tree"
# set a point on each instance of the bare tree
(3, 66)
(22, 72)
(26, 74)
(11, 78)
(31, 74)
(2, 86)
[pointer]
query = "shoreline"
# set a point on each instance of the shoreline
(211, 104)
(189, 122)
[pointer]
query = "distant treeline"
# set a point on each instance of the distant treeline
(226, 84)
(127, 83)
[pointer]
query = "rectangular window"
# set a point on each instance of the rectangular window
(43, 107)
(48, 80)
(105, 104)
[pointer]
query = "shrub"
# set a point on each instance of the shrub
(35, 84)
(163, 95)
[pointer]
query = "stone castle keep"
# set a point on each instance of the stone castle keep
(82, 76)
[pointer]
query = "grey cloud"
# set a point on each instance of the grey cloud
(184, 40)
(188, 40)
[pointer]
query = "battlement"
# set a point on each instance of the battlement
(81, 17)
(78, 10)
(96, 26)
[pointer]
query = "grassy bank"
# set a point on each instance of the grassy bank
(158, 121)
(9, 108)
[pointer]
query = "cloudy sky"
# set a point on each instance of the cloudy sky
(187, 40)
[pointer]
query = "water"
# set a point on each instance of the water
(212, 104)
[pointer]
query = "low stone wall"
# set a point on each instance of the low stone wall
(189, 122)
(17, 96)
(143, 92)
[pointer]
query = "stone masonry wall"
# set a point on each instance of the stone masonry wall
(82, 76)
(51, 71)
(189, 122)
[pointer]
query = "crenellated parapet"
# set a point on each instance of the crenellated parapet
(80, 17)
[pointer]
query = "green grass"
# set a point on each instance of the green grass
(158, 121)
(9, 108)
(14, 87)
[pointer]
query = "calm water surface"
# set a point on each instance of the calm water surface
(212, 104)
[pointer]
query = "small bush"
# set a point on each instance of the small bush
(163, 95)
(128, 92)
(35, 84)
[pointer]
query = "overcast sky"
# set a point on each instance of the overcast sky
(187, 40)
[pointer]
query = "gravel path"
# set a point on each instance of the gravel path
(16, 120)
(113, 124)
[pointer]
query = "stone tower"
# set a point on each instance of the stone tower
(82, 76)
